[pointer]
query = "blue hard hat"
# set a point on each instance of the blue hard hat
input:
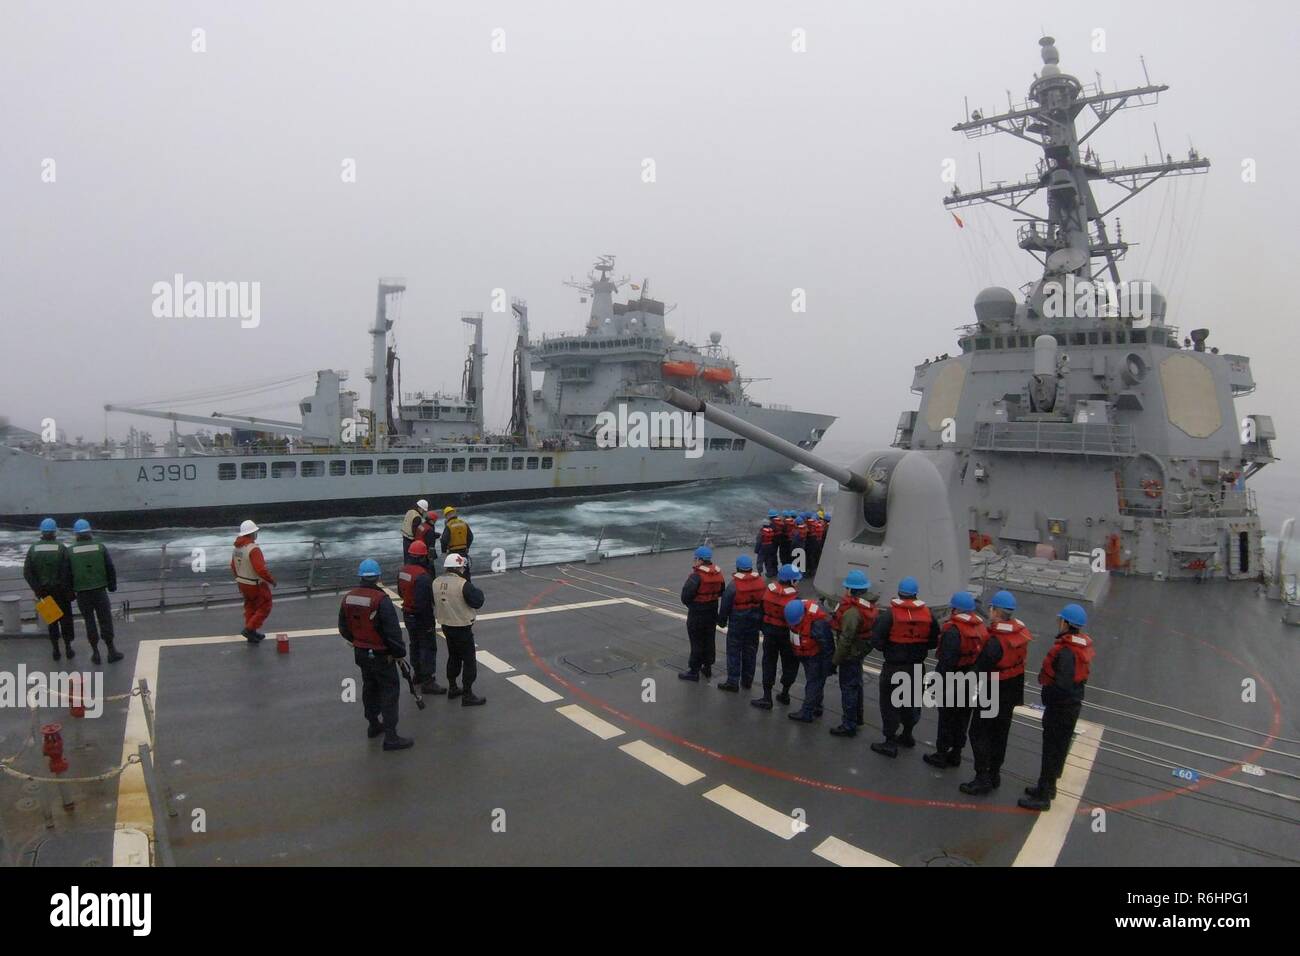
(1004, 600)
(787, 572)
(908, 587)
(369, 568)
(49, 524)
(1074, 615)
(773, 513)
(744, 563)
(789, 512)
(857, 581)
(799, 522)
(82, 526)
(962, 601)
(794, 613)
(704, 553)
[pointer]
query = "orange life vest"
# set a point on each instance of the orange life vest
(801, 636)
(710, 589)
(406, 579)
(911, 624)
(361, 608)
(775, 598)
(867, 613)
(1014, 638)
(1081, 645)
(766, 535)
(973, 633)
(749, 590)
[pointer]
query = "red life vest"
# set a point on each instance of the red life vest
(867, 613)
(911, 624)
(1014, 638)
(360, 608)
(801, 636)
(775, 598)
(749, 590)
(783, 526)
(973, 633)
(710, 589)
(406, 579)
(1081, 645)
(818, 529)
(766, 535)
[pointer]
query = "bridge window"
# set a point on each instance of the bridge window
(313, 469)
(458, 464)
(338, 468)
(437, 464)
(284, 469)
(516, 464)
(499, 464)
(478, 464)
(532, 464)
(412, 466)
(252, 469)
(547, 463)
(363, 467)
(226, 471)
(1138, 337)
(388, 466)
(738, 444)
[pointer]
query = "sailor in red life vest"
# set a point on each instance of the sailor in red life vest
(1003, 659)
(740, 612)
(776, 637)
(700, 594)
(254, 581)
(814, 644)
(852, 622)
(427, 531)
(961, 639)
(903, 633)
(415, 585)
(368, 621)
(1063, 677)
(784, 531)
(814, 535)
(765, 543)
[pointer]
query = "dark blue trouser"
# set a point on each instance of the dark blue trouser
(63, 626)
(891, 716)
(97, 613)
(742, 648)
(424, 648)
(815, 671)
(851, 691)
(767, 561)
(776, 644)
(702, 630)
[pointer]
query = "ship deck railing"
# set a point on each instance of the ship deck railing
(1065, 438)
(1207, 503)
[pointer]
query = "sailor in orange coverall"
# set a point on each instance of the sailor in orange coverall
(254, 580)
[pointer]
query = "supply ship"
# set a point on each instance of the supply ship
(342, 459)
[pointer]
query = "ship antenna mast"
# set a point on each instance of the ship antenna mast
(601, 288)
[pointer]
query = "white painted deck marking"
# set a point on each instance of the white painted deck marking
(760, 814)
(589, 721)
(666, 764)
(493, 663)
(846, 854)
(535, 687)
(1047, 838)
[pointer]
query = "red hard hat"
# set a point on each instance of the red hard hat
(418, 549)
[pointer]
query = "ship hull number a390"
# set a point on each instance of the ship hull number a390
(167, 473)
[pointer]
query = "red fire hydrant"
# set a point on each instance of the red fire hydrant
(282, 643)
(76, 706)
(53, 747)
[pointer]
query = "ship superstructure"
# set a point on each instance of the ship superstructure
(1083, 419)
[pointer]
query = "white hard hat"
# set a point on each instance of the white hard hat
(454, 561)
(248, 528)
(422, 504)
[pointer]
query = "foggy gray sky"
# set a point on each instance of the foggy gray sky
(478, 170)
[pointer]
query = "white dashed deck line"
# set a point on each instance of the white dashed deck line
(589, 721)
(535, 688)
(666, 764)
(1047, 838)
(493, 663)
(840, 853)
(760, 814)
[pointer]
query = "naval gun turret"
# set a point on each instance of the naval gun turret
(892, 514)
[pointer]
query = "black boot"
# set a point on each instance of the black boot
(114, 655)
(431, 686)
(844, 730)
(802, 716)
(707, 671)
(995, 778)
(886, 748)
(764, 702)
(689, 675)
(907, 740)
(58, 656)
(746, 684)
(784, 696)
(374, 729)
(453, 690)
(982, 784)
(394, 742)
(470, 699)
(938, 759)
(94, 655)
(1039, 803)
(68, 652)
(729, 686)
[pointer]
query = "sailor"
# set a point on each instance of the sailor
(740, 613)
(48, 572)
(1063, 677)
(799, 546)
(368, 621)
(455, 600)
(784, 529)
(93, 576)
(903, 633)
(415, 584)
(960, 642)
(254, 581)
(700, 594)
(776, 637)
(1003, 659)
(765, 544)
(814, 537)
(814, 644)
(851, 623)
(410, 524)
(427, 531)
(456, 534)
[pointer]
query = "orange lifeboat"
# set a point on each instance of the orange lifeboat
(680, 369)
(723, 375)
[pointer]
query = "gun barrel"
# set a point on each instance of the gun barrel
(716, 416)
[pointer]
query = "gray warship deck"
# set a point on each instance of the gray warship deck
(574, 762)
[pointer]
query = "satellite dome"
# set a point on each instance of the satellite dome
(715, 337)
(995, 304)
